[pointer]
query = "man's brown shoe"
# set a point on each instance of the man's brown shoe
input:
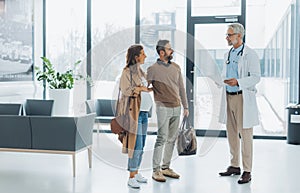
(245, 178)
(158, 176)
(231, 171)
(170, 173)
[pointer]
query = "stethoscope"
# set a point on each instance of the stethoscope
(239, 53)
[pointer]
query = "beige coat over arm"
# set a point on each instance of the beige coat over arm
(130, 102)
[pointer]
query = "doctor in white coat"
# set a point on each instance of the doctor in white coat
(241, 73)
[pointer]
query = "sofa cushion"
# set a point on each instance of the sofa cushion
(10, 109)
(38, 107)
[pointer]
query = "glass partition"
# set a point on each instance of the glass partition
(273, 44)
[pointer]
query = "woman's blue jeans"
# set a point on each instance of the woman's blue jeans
(135, 162)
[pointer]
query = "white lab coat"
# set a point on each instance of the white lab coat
(249, 76)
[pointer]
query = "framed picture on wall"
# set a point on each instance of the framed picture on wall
(16, 40)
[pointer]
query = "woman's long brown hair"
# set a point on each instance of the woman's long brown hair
(132, 52)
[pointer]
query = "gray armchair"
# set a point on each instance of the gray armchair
(90, 106)
(104, 109)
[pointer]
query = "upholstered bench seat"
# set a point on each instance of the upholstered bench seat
(47, 134)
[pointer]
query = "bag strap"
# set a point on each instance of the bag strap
(130, 76)
(117, 108)
(183, 123)
(188, 124)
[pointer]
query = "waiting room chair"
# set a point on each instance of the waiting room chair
(104, 109)
(90, 106)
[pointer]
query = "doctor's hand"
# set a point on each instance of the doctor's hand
(231, 82)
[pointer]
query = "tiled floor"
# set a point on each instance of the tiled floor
(276, 168)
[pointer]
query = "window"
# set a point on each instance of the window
(66, 42)
(113, 31)
(216, 8)
(16, 39)
(19, 24)
(163, 20)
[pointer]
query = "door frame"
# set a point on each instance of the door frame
(190, 55)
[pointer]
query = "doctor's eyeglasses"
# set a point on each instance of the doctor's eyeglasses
(229, 35)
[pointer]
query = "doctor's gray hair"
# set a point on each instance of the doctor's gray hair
(237, 28)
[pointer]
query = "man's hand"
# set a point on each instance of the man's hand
(149, 89)
(186, 112)
(231, 82)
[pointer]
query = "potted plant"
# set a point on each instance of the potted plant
(57, 80)
(59, 84)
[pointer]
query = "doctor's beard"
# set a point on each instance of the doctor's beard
(232, 42)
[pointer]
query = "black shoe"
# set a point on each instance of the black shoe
(245, 178)
(231, 171)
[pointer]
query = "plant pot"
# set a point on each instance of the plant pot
(61, 103)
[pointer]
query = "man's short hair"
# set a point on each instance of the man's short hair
(237, 28)
(161, 45)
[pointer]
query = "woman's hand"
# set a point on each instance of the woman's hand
(141, 88)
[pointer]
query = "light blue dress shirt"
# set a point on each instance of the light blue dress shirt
(232, 68)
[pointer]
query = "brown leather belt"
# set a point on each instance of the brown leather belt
(234, 93)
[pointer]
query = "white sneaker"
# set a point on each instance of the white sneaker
(140, 178)
(133, 183)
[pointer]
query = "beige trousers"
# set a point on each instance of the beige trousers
(168, 125)
(235, 130)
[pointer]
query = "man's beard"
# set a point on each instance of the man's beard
(169, 58)
(231, 43)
